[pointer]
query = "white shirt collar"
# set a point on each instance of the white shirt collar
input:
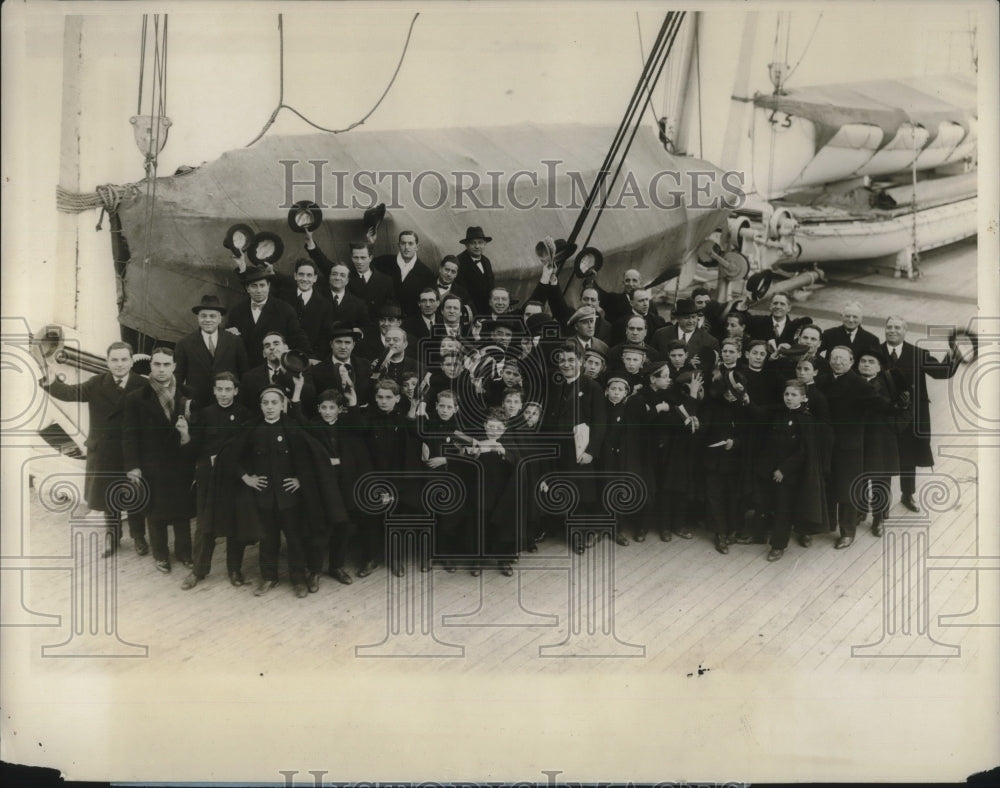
(405, 267)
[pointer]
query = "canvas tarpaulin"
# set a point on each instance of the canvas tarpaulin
(177, 255)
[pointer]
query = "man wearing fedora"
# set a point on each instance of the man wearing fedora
(409, 274)
(203, 353)
(277, 370)
(105, 397)
(374, 345)
(342, 366)
(475, 271)
(701, 346)
(260, 314)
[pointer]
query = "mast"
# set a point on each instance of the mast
(65, 300)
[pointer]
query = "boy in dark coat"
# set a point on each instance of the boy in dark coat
(213, 426)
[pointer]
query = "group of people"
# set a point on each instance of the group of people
(330, 400)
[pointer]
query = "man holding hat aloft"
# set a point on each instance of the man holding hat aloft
(202, 354)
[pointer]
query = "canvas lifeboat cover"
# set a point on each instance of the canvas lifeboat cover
(538, 184)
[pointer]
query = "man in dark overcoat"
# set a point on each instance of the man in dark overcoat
(409, 274)
(262, 313)
(915, 365)
(475, 271)
(159, 453)
(105, 397)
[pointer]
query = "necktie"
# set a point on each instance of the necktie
(211, 345)
(336, 299)
(777, 329)
(272, 374)
(894, 354)
(302, 301)
(120, 382)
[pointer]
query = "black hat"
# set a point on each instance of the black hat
(563, 250)
(340, 329)
(295, 361)
(685, 307)
(209, 302)
(633, 346)
(266, 248)
(540, 323)
(374, 216)
(588, 262)
(759, 283)
(238, 238)
(475, 234)
(304, 215)
(795, 351)
(652, 366)
(513, 323)
(390, 309)
(256, 274)
(735, 381)
(875, 353)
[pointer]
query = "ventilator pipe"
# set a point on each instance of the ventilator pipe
(799, 280)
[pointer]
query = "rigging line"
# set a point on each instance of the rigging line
(664, 56)
(660, 56)
(806, 48)
(361, 121)
(642, 55)
(697, 66)
(163, 89)
(619, 134)
(142, 63)
(788, 34)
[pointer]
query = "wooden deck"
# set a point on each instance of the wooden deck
(681, 611)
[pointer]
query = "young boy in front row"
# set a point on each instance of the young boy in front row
(211, 428)
(613, 457)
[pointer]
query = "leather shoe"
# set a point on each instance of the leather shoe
(579, 548)
(685, 533)
(805, 539)
(720, 544)
(301, 591)
(141, 546)
(775, 554)
(844, 542)
(506, 570)
(908, 503)
(367, 569)
(189, 564)
(622, 540)
(878, 528)
(425, 566)
(743, 539)
(475, 572)
(540, 537)
(312, 582)
(640, 536)
(591, 539)
(236, 579)
(532, 548)
(163, 566)
(398, 570)
(341, 576)
(190, 581)
(266, 585)
(665, 536)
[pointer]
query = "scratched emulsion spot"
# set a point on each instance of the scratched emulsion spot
(701, 671)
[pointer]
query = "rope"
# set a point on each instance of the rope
(661, 56)
(281, 88)
(806, 49)
(142, 64)
(107, 196)
(642, 55)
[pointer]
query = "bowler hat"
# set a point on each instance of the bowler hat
(475, 234)
(735, 381)
(238, 238)
(875, 353)
(209, 302)
(685, 307)
(295, 361)
(256, 274)
(340, 329)
(266, 248)
(588, 262)
(563, 250)
(541, 324)
(390, 309)
(545, 249)
(304, 215)
(374, 216)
